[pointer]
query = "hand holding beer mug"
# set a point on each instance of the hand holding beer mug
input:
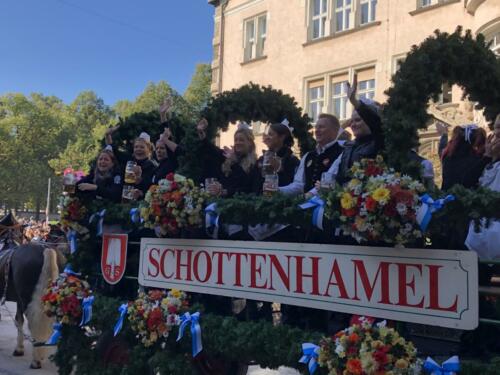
(69, 183)
(327, 181)
(130, 176)
(213, 187)
(127, 193)
(271, 163)
(270, 186)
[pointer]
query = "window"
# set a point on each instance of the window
(342, 14)
(426, 3)
(316, 100)
(495, 43)
(366, 89)
(319, 18)
(255, 37)
(446, 94)
(339, 99)
(368, 8)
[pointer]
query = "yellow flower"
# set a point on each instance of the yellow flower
(353, 183)
(347, 202)
(176, 293)
(401, 363)
(381, 194)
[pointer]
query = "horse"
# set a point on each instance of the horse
(26, 272)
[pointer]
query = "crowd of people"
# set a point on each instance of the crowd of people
(470, 158)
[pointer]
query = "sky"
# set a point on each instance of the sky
(113, 47)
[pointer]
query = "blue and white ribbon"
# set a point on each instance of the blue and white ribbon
(87, 310)
(449, 367)
(135, 216)
(56, 334)
(71, 236)
(99, 215)
(310, 357)
(195, 331)
(429, 206)
(119, 324)
(68, 270)
(468, 131)
(319, 209)
(212, 220)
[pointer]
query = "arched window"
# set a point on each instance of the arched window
(491, 32)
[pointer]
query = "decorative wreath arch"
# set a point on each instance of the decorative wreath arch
(454, 58)
(255, 103)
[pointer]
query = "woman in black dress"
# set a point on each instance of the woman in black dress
(279, 140)
(104, 180)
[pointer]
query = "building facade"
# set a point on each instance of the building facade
(311, 48)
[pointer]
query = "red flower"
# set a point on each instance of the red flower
(349, 213)
(353, 338)
(172, 309)
(354, 367)
(352, 351)
(381, 356)
(155, 318)
(71, 305)
(390, 209)
(156, 294)
(170, 176)
(371, 204)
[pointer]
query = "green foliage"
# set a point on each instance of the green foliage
(223, 337)
(255, 103)
(455, 58)
(198, 93)
(252, 209)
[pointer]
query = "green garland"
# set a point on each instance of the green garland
(252, 209)
(256, 103)
(225, 338)
(454, 58)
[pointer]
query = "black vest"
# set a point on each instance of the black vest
(316, 164)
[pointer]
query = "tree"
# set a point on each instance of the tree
(87, 118)
(198, 92)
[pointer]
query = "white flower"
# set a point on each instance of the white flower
(179, 178)
(339, 349)
(401, 208)
(381, 324)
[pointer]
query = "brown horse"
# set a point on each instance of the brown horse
(26, 272)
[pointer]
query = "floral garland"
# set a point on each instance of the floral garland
(72, 212)
(377, 204)
(63, 298)
(173, 204)
(364, 349)
(153, 315)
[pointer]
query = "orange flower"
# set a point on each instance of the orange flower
(354, 367)
(354, 338)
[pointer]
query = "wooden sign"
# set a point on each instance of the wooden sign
(435, 287)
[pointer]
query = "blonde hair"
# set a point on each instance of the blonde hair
(247, 161)
(149, 146)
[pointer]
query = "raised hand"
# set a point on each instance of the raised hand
(352, 90)
(165, 108)
(227, 152)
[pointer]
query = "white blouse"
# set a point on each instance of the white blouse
(486, 242)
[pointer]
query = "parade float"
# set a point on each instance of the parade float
(165, 268)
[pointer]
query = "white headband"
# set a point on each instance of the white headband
(468, 131)
(243, 125)
(145, 136)
(287, 124)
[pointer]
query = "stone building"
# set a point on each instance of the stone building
(311, 48)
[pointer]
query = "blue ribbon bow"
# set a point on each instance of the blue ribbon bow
(310, 356)
(87, 310)
(119, 323)
(319, 209)
(56, 334)
(100, 222)
(429, 206)
(212, 220)
(68, 270)
(195, 331)
(449, 367)
(135, 216)
(71, 236)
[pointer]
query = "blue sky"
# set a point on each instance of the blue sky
(113, 47)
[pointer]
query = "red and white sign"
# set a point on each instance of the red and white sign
(435, 287)
(113, 257)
